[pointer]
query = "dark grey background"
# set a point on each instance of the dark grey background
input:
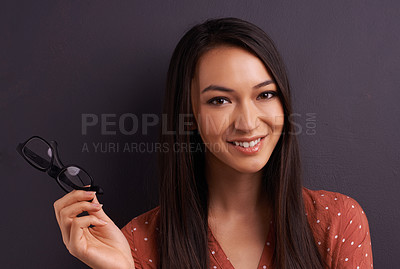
(62, 59)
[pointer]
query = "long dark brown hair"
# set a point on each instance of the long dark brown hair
(183, 241)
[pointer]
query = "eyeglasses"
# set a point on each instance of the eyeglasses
(41, 154)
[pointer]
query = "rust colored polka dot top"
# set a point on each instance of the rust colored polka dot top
(338, 222)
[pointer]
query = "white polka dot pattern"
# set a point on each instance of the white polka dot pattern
(141, 234)
(342, 233)
(338, 223)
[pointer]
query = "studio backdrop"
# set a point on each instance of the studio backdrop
(91, 75)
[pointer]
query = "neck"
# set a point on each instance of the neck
(233, 194)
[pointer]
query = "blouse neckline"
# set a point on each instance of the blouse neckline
(216, 251)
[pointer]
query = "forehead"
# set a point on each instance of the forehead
(230, 65)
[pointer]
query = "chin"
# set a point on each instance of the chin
(249, 168)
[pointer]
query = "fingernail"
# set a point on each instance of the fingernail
(97, 205)
(90, 193)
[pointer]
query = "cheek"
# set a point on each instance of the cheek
(274, 117)
(213, 124)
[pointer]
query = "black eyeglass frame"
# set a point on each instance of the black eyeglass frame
(53, 170)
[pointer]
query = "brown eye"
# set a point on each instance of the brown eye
(218, 101)
(267, 95)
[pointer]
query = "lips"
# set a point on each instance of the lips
(248, 148)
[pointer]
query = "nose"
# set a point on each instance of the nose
(246, 119)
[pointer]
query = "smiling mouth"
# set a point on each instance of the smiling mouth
(246, 144)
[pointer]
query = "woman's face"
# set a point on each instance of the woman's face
(237, 110)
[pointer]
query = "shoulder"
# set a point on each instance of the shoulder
(141, 233)
(331, 205)
(340, 227)
(147, 220)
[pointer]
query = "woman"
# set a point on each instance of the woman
(231, 194)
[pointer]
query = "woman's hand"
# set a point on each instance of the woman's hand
(102, 246)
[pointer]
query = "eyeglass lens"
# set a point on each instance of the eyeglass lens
(75, 176)
(38, 152)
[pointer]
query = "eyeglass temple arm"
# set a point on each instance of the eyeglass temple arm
(53, 172)
(63, 178)
(36, 158)
(39, 160)
(56, 155)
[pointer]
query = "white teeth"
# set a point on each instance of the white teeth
(247, 144)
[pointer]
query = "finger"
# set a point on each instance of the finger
(63, 210)
(77, 227)
(95, 200)
(74, 210)
(67, 214)
(70, 198)
(100, 213)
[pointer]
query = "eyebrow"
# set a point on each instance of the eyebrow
(224, 89)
